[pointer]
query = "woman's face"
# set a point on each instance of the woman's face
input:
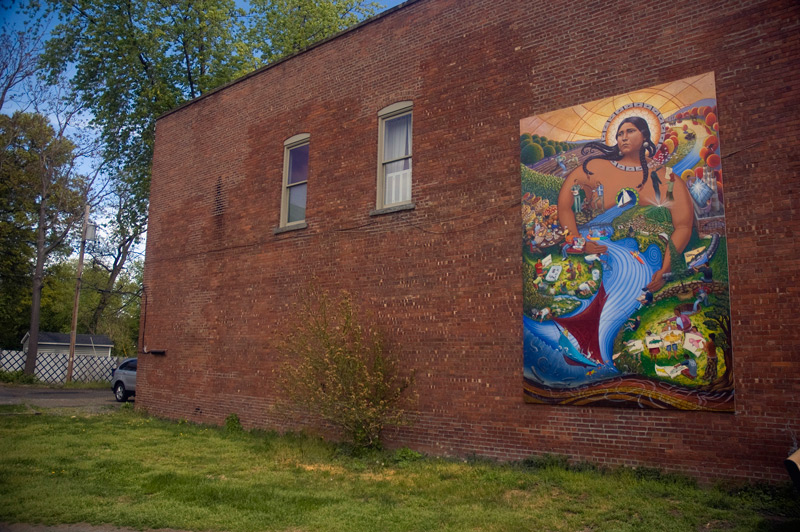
(629, 139)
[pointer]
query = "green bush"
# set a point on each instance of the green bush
(339, 369)
(549, 151)
(232, 424)
(17, 377)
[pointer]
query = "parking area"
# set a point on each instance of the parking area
(91, 401)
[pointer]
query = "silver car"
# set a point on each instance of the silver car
(123, 380)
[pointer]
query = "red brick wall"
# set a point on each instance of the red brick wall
(445, 279)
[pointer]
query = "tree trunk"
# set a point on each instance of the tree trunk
(36, 300)
(105, 295)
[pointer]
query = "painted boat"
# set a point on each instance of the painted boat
(572, 356)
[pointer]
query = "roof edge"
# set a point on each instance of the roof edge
(317, 44)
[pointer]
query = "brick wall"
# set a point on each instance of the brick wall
(444, 280)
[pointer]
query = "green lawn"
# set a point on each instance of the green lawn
(130, 470)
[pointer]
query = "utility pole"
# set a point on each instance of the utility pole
(91, 229)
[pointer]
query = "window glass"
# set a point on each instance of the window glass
(295, 179)
(297, 203)
(298, 166)
(397, 140)
(397, 184)
(395, 154)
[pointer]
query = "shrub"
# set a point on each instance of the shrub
(17, 377)
(232, 424)
(339, 369)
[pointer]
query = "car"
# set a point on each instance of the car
(123, 380)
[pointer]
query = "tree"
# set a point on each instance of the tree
(16, 255)
(718, 318)
(19, 58)
(38, 164)
(678, 266)
(119, 319)
(283, 27)
(137, 59)
(531, 153)
(125, 225)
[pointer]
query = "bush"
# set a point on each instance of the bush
(339, 369)
(232, 424)
(17, 377)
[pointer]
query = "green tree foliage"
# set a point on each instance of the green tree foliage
(43, 196)
(678, 267)
(531, 154)
(119, 318)
(17, 208)
(549, 151)
(282, 27)
(338, 368)
(137, 59)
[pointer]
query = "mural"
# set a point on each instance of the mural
(624, 252)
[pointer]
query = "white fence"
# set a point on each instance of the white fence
(52, 367)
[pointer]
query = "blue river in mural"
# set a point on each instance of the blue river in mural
(624, 278)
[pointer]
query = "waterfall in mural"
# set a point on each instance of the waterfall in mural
(624, 252)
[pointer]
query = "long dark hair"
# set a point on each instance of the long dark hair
(612, 153)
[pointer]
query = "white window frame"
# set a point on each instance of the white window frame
(387, 113)
(289, 144)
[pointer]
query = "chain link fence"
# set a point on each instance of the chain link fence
(52, 367)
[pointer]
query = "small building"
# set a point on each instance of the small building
(98, 345)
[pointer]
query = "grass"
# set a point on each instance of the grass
(127, 469)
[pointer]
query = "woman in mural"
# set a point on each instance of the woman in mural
(628, 164)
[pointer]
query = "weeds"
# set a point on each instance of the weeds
(233, 425)
(17, 377)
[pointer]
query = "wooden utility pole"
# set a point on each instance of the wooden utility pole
(74, 330)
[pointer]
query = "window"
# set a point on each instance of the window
(394, 155)
(295, 179)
